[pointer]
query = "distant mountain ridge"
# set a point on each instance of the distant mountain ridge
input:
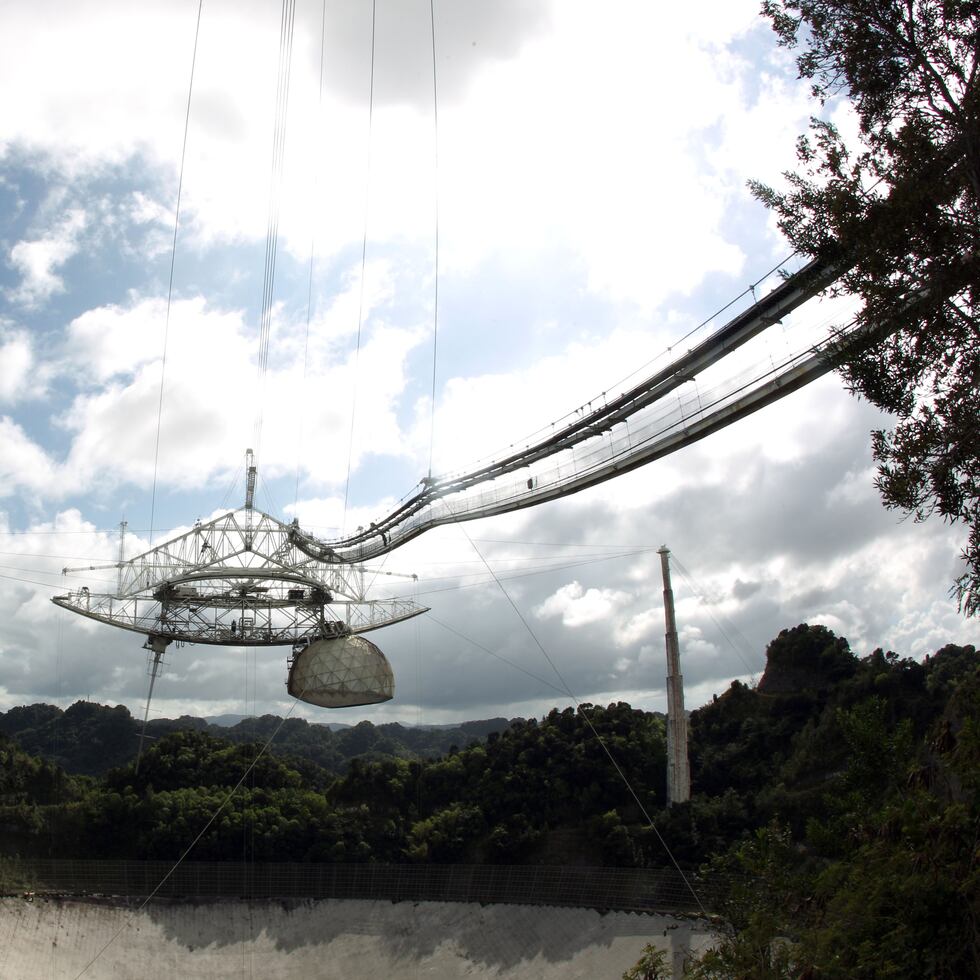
(90, 739)
(226, 721)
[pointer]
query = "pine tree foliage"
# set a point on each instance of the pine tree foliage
(897, 210)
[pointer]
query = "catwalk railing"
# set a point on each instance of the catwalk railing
(623, 889)
(695, 394)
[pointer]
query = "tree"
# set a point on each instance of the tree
(898, 214)
(445, 836)
(806, 658)
(652, 965)
(886, 884)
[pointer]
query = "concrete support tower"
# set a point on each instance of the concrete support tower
(678, 767)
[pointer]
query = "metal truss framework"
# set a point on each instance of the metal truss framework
(663, 413)
(237, 580)
(246, 578)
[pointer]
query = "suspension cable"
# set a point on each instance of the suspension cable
(173, 260)
(702, 596)
(287, 21)
(435, 299)
(190, 847)
(585, 715)
(309, 287)
(364, 241)
(494, 654)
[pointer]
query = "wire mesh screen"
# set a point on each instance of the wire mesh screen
(625, 889)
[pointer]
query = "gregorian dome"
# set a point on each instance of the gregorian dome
(341, 672)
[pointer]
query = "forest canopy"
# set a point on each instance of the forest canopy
(842, 790)
(897, 211)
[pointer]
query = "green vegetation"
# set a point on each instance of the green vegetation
(842, 792)
(490, 801)
(883, 880)
(93, 738)
(899, 209)
(652, 965)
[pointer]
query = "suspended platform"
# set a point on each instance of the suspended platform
(237, 580)
(241, 580)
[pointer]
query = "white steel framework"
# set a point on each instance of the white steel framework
(246, 578)
(665, 412)
(239, 580)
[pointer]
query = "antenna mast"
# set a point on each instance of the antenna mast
(122, 554)
(249, 479)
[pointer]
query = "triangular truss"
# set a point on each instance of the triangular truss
(237, 580)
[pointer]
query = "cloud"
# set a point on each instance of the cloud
(576, 606)
(38, 260)
(24, 466)
(476, 412)
(546, 125)
(600, 622)
(17, 377)
(116, 360)
(590, 158)
(591, 213)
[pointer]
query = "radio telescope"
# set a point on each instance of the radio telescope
(241, 580)
(246, 578)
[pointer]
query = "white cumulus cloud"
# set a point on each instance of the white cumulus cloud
(38, 260)
(577, 606)
(17, 377)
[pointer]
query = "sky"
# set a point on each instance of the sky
(557, 203)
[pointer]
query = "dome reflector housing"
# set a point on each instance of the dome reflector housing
(340, 673)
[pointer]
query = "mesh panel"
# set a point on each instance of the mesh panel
(341, 672)
(635, 889)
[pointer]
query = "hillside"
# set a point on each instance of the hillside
(843, 792)
(90, 739)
